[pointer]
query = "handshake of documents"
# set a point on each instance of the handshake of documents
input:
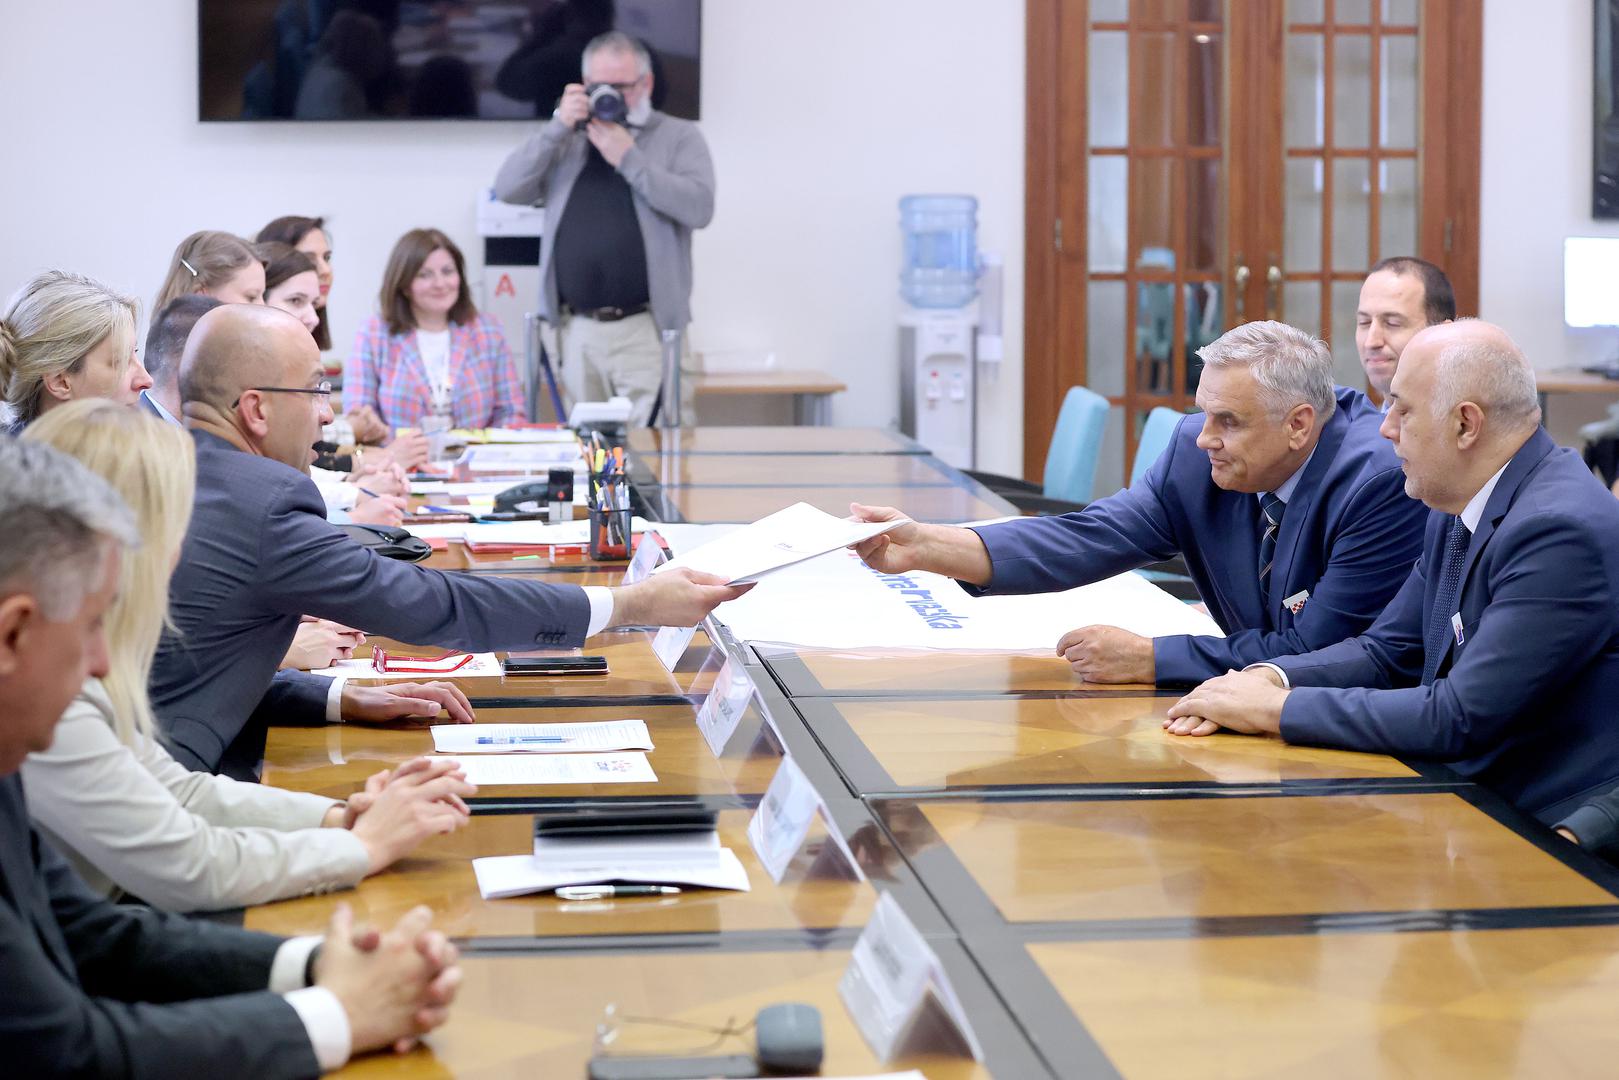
(782, 539)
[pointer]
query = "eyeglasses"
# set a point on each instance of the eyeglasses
(623, 87)
(320, 389)
(613, 1023)
(423, 665)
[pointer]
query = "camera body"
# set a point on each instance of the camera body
(606, 104)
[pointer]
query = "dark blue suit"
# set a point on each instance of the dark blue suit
(1349, 537)
(258, 555)
(1528, 702)
(96, 989)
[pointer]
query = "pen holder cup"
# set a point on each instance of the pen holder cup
(609, 534)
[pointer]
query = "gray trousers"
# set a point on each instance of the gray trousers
(600, 359)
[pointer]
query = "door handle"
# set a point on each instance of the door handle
(1239, 293)
(1273, 292)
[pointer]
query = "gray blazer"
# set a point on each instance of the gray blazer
(671, 174)
(258, 555)
(93, 988)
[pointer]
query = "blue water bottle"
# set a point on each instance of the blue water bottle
(940, 269)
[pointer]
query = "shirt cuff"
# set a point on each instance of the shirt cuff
(601, 608)
(1280, 674)
(291, 963)
(327, 1024)
(334, 700)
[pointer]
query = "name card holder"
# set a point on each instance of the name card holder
(648, 553)
(899, 994)
(783, 821)
(724, 707)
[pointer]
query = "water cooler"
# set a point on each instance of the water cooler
(938, 325)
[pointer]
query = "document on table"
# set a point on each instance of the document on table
(782, 539)
(505, 770)
(501, 876)
(488, 459)
(482, 665)
(515, 533)
(541, 738)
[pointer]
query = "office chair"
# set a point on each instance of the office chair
(1070, 473)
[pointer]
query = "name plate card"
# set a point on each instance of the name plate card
(782, 822)
(723, 708)
(670, 644)
(898, 992)
(648, 553)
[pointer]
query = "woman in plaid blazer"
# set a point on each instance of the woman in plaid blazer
(403, 366)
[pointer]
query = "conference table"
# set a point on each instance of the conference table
(1104, 899)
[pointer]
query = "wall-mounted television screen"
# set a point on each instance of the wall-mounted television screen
(437, 59)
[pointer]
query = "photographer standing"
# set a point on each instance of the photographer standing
(623, 186)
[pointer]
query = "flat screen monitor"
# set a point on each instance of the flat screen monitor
(1591, 281)
(426, 59)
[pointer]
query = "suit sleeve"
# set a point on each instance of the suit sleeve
(1370, 557)
(1596, 825)
(306, 565)
(1124, 531)
(203, 1008)
(1551, 589)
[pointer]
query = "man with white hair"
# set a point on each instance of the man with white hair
(621, 200)
(1286, 505)
(93, 988)
(1500, 655)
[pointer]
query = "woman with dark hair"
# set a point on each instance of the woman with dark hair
(308, 235)
(429, 354)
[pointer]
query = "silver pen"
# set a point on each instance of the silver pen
(605, 892)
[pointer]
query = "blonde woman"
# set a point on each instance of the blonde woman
(133, 820)
(216, 264)
(65, 337)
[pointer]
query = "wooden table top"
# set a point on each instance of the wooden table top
(1235, 857)
(897, 470)
(942, 743)
(440, 875)
(536, 1015)
(936, 504)
(1573, 381)
(808, 672)
(772, 440)
(336, 760)
(1473, 1003)
(633, 671)
(785, 381)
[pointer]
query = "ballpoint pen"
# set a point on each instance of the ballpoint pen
(603, 892)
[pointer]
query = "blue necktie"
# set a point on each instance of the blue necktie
(1271, 509)
(1444, 598)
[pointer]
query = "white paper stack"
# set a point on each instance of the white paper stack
(777, 540)
(514, 533)
(681, 859)
(541, 738)
(525, 770)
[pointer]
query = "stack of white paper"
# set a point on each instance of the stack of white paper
(541, 738)
(515, 533)
(522, 770)
(775, 541)
(489, 459)
(681, 859)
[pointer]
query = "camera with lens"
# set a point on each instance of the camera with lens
(606, 104)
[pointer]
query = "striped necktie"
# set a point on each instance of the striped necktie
(1445, 598)
(1271, 510)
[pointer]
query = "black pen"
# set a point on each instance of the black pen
(606, 892)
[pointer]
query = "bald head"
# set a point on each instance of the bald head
(238, 346)
(1472, 360)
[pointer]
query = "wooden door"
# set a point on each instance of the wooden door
(1193, 164)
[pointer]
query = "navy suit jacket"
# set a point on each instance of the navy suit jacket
(258, 555)
(95, 989)
(1528, 702)
(1349, 537)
